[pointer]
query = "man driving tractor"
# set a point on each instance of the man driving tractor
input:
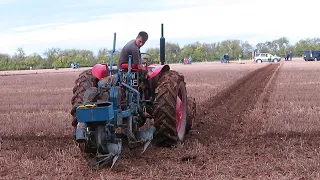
(133, 48)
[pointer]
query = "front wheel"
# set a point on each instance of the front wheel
(171, 109)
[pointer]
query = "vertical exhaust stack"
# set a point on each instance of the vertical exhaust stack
(162, 47)
(112, 52)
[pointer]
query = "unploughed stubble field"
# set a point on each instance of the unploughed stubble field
(255, 121)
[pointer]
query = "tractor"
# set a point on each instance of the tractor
(112, 106)
(75, 65)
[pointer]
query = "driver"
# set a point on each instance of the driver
(133, 48)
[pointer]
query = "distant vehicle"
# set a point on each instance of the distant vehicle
(313, 55)
(288, 56)
(225, 58)
(186, 60)
(266, 57)
(74, 65)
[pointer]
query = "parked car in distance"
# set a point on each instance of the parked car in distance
(313, 55)
(266, 57)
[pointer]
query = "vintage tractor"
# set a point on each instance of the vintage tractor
(127, 104)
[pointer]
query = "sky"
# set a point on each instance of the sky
(37, 25)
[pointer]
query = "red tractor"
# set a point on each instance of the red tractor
(146, 106)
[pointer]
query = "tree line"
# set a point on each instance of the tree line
(62, 58)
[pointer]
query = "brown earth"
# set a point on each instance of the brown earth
(255, 121)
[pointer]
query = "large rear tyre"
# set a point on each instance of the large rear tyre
(84, 81)
(171, 109)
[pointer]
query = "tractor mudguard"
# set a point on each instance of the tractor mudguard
(100, 71)
(155, 70)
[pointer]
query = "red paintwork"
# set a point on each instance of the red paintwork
(125, 66)
(155, 70)
(100, 71)
(152, 70)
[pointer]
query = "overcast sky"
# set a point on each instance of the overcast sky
(36, 25)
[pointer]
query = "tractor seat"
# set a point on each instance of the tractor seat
(125, 66)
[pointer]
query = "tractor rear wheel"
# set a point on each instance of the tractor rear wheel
(171, 109)
(84, 81)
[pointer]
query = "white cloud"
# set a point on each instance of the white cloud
(266, 20)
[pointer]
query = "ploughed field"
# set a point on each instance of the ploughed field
(255, 121)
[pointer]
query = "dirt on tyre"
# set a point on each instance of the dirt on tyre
(192, 113)
(84, 81)
(171, 109)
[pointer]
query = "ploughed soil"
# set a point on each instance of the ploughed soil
(254, 121)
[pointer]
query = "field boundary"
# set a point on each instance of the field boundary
(64, 70)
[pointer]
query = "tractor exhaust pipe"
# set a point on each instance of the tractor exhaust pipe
(112, 52)
(162, 47)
